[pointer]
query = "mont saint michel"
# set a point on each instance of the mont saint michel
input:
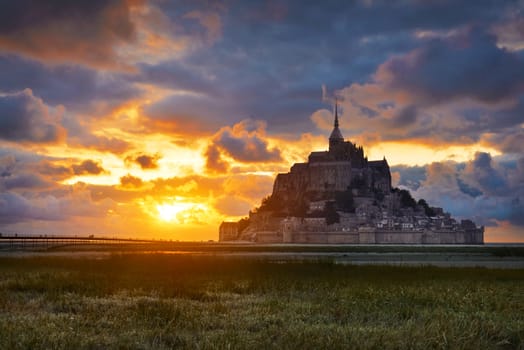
(339, 196)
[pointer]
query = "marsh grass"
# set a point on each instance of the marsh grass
(169, 301)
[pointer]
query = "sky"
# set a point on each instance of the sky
(159, 119)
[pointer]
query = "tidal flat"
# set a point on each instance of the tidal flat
(165, 301)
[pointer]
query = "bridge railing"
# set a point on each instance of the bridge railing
(45, 242)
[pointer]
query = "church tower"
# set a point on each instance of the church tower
(336, 140)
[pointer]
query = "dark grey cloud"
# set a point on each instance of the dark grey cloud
(504, 120)
(50, 205)
(18, 171)
(23, 181)
(147, 161)
(89, 167)
(16, 208)
(22, 169)
(26, 118)
(177, 75)
(468, 189)
(411, 176)
(508, 141)
(55, 171)
(404, 117)
(30, 188)
(481, 173)
(79, 89)
(468, 65)
(7, 164)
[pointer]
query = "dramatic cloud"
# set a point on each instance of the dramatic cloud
(22, 181)
(178, 76)
(35, 175)
(409, 176)
(130, 181)
(80, 135)
(59, 206)
(114, 35)
(15, 208)
(24, 169)
(26, 118)
(244, 142)
(57, 31)
(510, 33)
(484, 189)
(78, 88)
(145, 161)
(214, 162)
(88, 167)
(55, 171)
(466, 65)
(458, 88)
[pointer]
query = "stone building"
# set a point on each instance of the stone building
(339, 196)
(341, 167)
(228, 231)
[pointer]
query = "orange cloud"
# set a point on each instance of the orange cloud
(85, 32)
(245, 142)
(131, 182)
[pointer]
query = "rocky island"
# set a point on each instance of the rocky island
(339, 196)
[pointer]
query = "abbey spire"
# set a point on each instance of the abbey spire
(336, 136)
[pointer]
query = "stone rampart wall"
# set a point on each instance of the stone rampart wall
(376, 237)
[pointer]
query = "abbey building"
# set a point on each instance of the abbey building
(337, 169)
(339, 196)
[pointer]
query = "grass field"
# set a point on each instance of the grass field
(500, 251)
(186, 301)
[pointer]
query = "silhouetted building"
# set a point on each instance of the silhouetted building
(338, 196)
(338, 169)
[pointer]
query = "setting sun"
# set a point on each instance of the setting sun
(181, 213)
(168, 212)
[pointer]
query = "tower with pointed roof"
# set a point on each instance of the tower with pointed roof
(335, 139)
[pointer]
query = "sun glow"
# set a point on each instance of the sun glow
(180, 212)
(168, 212)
